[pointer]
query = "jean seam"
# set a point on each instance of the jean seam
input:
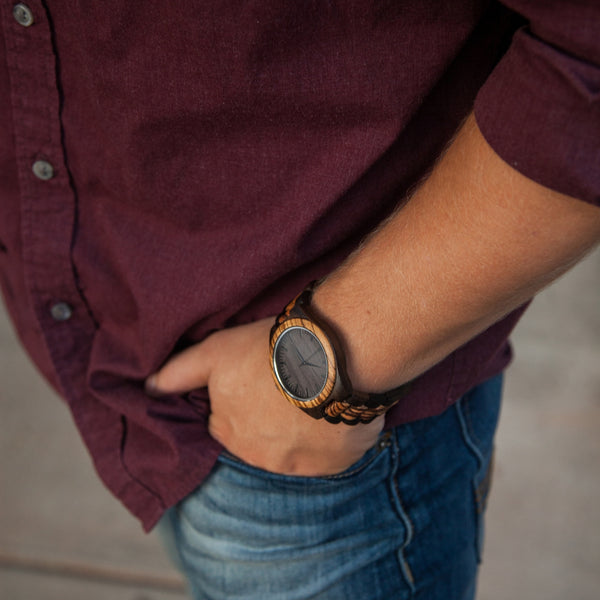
(479, 481)
(485, 468)
(398, 505)
(469, 437)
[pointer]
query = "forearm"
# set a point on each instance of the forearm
(475, 241)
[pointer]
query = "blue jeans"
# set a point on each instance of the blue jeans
(406, 521)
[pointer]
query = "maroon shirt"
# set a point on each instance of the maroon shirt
(171, 168)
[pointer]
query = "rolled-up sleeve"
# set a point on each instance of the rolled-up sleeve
(540, 107)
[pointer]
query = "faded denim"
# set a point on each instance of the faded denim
(406, 521)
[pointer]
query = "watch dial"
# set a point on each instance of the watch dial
(300, 363)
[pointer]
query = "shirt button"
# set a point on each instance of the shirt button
(61, 311)
(43, 170)
(22, 14)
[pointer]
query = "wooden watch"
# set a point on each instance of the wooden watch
(309, 368)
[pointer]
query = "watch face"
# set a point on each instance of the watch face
(300, 363)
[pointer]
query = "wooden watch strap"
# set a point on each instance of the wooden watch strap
(363, 408)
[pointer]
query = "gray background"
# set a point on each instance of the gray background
(63, 537)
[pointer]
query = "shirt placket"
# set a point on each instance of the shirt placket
(48, 229)
(48, 203)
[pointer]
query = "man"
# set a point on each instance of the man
(173, 178)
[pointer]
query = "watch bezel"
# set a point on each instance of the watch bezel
(324, 395)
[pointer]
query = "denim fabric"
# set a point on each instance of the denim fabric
(406, 521)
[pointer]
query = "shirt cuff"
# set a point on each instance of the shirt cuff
(540, 112)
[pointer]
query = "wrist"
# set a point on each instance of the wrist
(309, 367)
(367, 363)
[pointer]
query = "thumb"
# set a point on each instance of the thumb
(183, 372)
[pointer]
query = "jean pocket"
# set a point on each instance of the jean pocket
(356, 469)
(478, 412)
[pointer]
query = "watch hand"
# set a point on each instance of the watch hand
(305, 362)
(299, 355)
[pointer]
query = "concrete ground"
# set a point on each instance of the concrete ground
(63, 537)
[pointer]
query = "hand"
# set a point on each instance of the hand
(250, 417)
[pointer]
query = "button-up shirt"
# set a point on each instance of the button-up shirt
(168, 169)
